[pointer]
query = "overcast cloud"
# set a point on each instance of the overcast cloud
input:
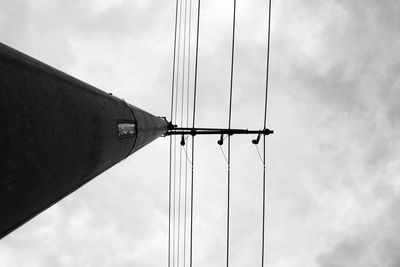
(333, 164)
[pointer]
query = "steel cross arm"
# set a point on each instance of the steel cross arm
(215, 131)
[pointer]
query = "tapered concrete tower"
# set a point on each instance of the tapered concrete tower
(56, 134)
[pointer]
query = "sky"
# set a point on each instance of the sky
(333, 189)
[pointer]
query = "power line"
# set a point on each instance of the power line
(174, 258)
(187, 125)
(174, 204)
(178, 89)
(229, 138)
(265, 125)
(179, 201)
(193, 124)
(181, 122)
(174, 60)
(170, 140)
(267, 72)
(232, 63)
(169, 201)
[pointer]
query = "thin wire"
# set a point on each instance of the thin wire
(183, 63)
(191, 207)
(185, 221)
(259, 154)
(169, 201)
(196, 64)
(178, 60)
(232, 63)
(174, 59)
(182, 113)
(176, 112)
(179, 200)
(265, 125)
(229, 138)
(170, 139)
(223, 153)
(193, 124)
(187, 156)
(187, 125)
(267, 71)
(189, 57)
(174, 204)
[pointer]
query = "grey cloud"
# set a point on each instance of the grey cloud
(119, 20)
(12, 24)
(375, 244)
(332, 88)
(356, 75)
(380, 152)
(356, 78)
(390, 94)
(346, 253)
(124, 209)
(351, 52)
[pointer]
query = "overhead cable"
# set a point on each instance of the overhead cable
(187, 125)
(265, 126)
(170, 139)
(229, 138)
(193, 125)
(181, 123)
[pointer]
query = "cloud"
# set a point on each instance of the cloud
(337, 55)
(375, 244)
(332, 187)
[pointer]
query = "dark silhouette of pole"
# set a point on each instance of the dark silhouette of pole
(56, 134)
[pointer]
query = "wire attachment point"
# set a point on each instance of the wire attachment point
(221, 140)
(183, 140)
(257, 140)
(216, 131)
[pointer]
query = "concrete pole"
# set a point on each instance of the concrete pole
(56, 134)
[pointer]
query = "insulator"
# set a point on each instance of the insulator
(183, 140)
(221, 140)
(257, 140)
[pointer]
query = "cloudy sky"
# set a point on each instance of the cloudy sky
(333, 184)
